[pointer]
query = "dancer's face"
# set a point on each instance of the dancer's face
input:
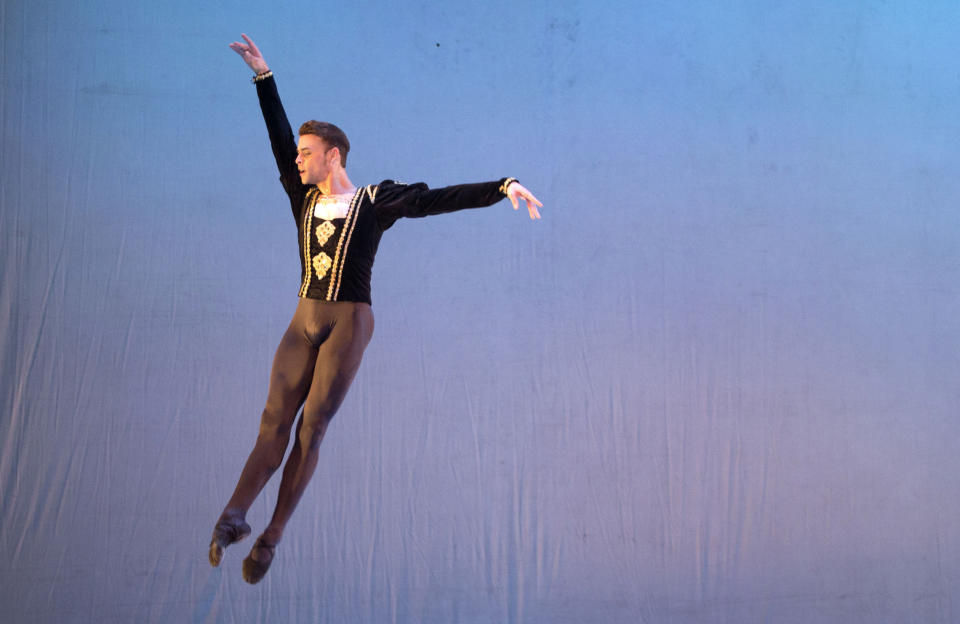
(315, 160)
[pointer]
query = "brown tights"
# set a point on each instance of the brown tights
(313, 367)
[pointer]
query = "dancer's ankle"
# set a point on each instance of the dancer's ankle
(272, 535)
(233, 516)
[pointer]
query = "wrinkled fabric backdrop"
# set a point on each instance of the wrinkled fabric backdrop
(718, 382)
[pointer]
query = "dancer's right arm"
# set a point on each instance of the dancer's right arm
(281, 135)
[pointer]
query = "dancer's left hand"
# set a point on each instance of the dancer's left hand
(517, 191)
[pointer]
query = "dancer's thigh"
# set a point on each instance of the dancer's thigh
(337, 362)
(290, 376)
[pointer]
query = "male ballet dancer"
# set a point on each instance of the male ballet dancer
(339, 228)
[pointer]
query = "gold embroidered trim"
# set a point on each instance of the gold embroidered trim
(262, 76)
(308, 221)
(321, 264)
(339, 260)
(336, 293)
(324, 231)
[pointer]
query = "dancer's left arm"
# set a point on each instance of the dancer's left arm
(393, 200)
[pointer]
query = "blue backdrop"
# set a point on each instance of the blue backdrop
(718, 382)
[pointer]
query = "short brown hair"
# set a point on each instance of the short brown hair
(332, 135)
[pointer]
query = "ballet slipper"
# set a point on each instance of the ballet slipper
(224, 534)
(254, 569)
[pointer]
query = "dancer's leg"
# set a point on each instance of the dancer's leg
(337, 363)
(293, 367)
(338, 360)
(289, 382)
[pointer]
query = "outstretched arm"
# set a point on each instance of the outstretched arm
(516, 191)
(250, 54)
(393, 201)
(278, 127)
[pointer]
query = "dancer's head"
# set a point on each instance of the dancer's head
(322, 149)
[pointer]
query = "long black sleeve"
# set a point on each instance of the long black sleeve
(393, 201)
(283, 143)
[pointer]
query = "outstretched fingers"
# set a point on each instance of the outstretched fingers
(250, 44)
(532, 209)
(250, 54)
(517, 191)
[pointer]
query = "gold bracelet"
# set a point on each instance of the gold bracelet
(506, 184)
(262, 76)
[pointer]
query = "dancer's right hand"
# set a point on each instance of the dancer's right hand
(250, 54)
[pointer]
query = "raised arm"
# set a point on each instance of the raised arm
(278, 127)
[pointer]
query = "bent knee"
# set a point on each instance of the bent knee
(312, 431)
(275, 424)
(320, 410)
